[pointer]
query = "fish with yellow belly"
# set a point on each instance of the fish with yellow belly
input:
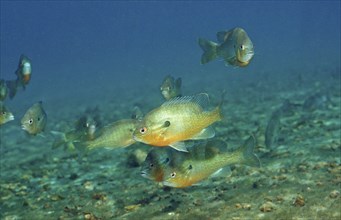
(177, 120)
(5, 114)
(180, 169)
(115, 135)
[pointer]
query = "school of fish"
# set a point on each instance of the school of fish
(180, 131)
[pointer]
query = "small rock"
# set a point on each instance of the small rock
(267, 207)
(334, 194)
(299, 201)
(88, 185)
(130, 208)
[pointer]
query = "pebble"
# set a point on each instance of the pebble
(267, 207)
(334, 194)
(299, 201)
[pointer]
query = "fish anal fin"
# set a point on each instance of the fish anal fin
(224, 171)
(179, 146)
(205, 133)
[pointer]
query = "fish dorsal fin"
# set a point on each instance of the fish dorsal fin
(179, 146)
(204, 150)
(204, 134)
(223, 35)
(201, 99)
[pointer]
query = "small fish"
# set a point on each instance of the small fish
(319, 100)
(156, 161)
(24, 70)
(23, 73)
(114, 135)
(288, 108)
(204, 160)
(34, 120)
(84, 129)
(87, 125)
(137, 113)
(177, 120)
(234, 46)
(5, 114)
(272, 130)
(170, 87)
(3, 90)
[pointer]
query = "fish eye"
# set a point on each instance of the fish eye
(4, 113)
(167, 160)
(242, 47)
(30, 121)
(143, 130)
(173, 174)
(190, 167)
(151, 165)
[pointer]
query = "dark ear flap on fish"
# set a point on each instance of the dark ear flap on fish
(166, 124)
(210, 50)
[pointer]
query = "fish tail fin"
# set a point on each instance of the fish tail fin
(61, 140)
(84, 146)
(210, 50)
(248, 156)
(12, 86)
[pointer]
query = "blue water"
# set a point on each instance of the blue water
(107, 44)
(107, 52)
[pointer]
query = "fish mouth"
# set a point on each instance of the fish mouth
(144, 174)
(24, 127)
(167, 183)
(135, 138)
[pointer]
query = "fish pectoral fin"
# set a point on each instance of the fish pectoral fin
(179, 146)
(224, 171)
(204, 134)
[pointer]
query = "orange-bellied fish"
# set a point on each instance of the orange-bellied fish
(23, 73)
(171, 88)
(204, 160)
(34, 120)
(114, 135)
(177, 120)
(156, 161)
(234, 46)
(24, 70)
(5, 114)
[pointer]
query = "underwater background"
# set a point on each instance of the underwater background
(115, 54)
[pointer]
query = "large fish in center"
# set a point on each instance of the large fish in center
(177, 120)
